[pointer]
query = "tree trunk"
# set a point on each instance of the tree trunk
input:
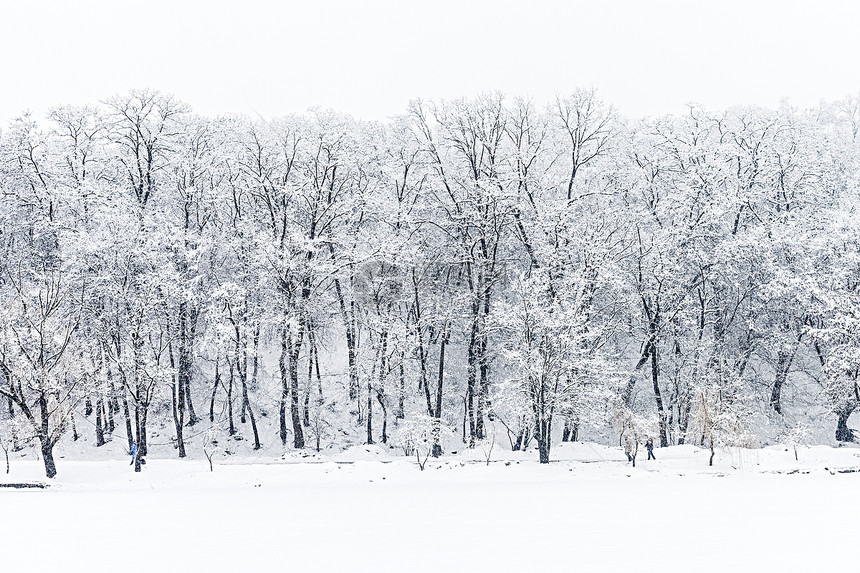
(192, 416)
(543, 433)
(306, 414)
(215, 388)
(684, 420)
(295, 412)
(471, 377)
(422, 354)
(48, 457)
(246, 402)
(128, 433)
(380, 390)
(231, 425)
(47, 444)
(783, 364)
(661, 411)
(250, 414)
(401, 402)
(381, 399)
(843, 432)
(177, 403)
(113, 403)
(100, 432)
(437, 414)
(631, 383)
(348, 317)
(141, 438)
(484, 372)
(187, 332)
(422, 381)
(369, 421)
(285, 386)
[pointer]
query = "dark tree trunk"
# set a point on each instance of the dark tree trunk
(139, 434)
(472, 377)
(570, 433)
(141, 398)
(251, 415)
(380, 390)
(285, 386)
(45, 441)
(295, 411)
(484, 372)
(437, 414)
(215, 388)
(48, 457)
(684, 420)
(255, 361)
(231, 425)
(348, 317)
(100, 432)
(422, 381)
(543, 433)
(518, 444)
(242, 365)
(843, 432)
(631, 383)
(192, 416)
(187, 334)
(422, 354)
(661, 411)
(352, 361)
(783, 364)
(319, 376)
(369, 421)
(128, 432)
(401, 402)
(381, 399)
(177, 424)
(141, 438)
(113, 403)
(306, 413)
(177, 403)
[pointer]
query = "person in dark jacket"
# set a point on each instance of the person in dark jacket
(649, 445)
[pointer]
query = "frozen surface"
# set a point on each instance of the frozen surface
(756, 510)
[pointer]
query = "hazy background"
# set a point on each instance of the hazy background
(369, 58)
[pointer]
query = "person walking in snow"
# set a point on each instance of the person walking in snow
(628, 448)
(134, 453)
(649, 445)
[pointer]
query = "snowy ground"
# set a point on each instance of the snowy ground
(366, 510)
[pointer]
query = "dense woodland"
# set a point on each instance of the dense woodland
(488, 268)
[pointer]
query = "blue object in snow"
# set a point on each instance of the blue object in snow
(134, 454)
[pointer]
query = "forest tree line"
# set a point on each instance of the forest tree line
(472, 263)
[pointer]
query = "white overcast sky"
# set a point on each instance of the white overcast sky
(369, 58)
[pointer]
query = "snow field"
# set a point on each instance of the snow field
(756, 510)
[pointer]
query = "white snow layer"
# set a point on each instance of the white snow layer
(755, 510)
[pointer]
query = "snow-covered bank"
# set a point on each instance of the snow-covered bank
(755, 510)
